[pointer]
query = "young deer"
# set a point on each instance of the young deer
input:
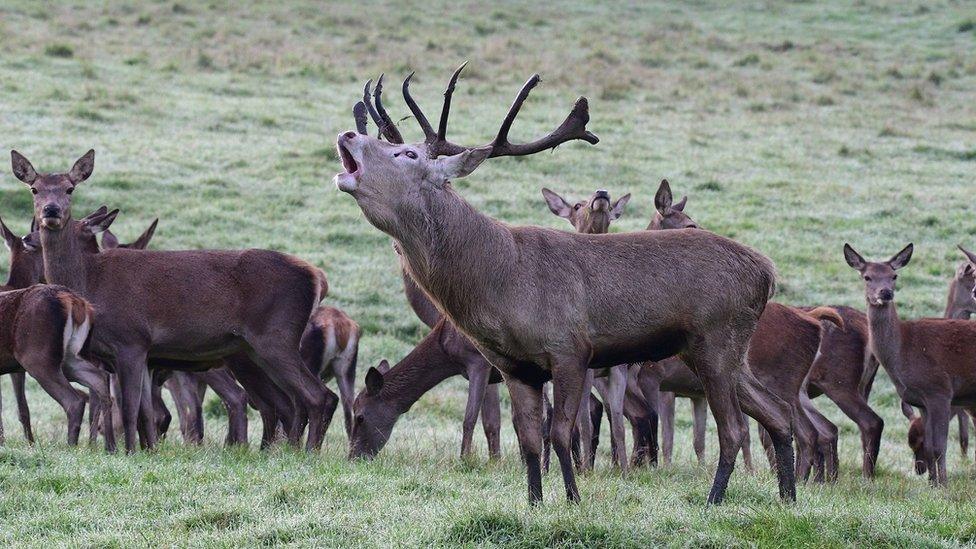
(542, 304)
(69, 318)
(930, 360)
(593, 216)
(149, 303)
(330, 347)
(960, 304)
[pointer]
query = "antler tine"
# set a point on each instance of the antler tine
(446, 109)
(574, 127)
(359, 113)
(368, 103)
(429, 135)
(388, 128)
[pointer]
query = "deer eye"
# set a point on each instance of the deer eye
(33, 190)
(70, 190)
(411, 155)
(894, 277)
(578, 206)
(867, 278)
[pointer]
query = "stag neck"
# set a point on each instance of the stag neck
(885, 335)
(455, 253)
(422, 306)
(64, 260)
(426, 366)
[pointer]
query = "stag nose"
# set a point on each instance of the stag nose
(886, 294)
(350, 135)
(52, 210)
(602, 194)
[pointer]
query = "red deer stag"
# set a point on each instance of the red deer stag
(542, 304)
(930, 360)
(150, 304)
(960, 304)
(593, 216)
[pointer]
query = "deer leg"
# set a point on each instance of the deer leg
(584, 424)
(491, 421)
(827, 436)
(48, 374)
(345, 372)
(596, 420)
(3, 438)
(23, 410)
(649, 387)
(547, 427)
(699, 414)
(81, 371)
(665, 413)
(188, 408)
(635, 411)
(130, 368)
(570, 383)
(617, 392)
(262, 393)
(746, 444)
(937, 416)
(868, 423)
(775, 414)
(234, 399)
(806, 442)
(477, 384)
(527, 416)
(963, 420)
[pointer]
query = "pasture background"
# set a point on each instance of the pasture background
(794, 127)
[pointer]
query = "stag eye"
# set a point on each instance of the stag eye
(867, 278)
(411, 155)
(578, 206)
(70, 190)
(33, 190)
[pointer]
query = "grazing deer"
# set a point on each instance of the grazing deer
(330, 347)
(593, 216)
(961, 305)
(151, 303)
(546, 305)
(69, 318)
(930, 360)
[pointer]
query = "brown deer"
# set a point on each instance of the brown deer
(930, 360)
(330, 347)
(593, 216)
(151, 303)
(961, 305)
(546, 305)
(843, 370)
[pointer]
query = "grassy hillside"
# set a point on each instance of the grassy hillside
(794, 127)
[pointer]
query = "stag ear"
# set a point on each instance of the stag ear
(680, 206)
(99, 223)
(142, 242)
(459, 165)
(9, 238)
(383, 366)
(23, 170)
(83, 168)
(557, 204)
(109, 240)
(618, 207)
(853, 258)
(901, 258)
(374, 381)
(662, 200)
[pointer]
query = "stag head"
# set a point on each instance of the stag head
(590, 216)
(389, 179)
(52, 192)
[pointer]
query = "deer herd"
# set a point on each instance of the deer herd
(641, 317)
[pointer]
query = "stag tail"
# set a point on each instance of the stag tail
(77, 328)
(829, 314)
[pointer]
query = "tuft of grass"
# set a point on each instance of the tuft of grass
(59, 50)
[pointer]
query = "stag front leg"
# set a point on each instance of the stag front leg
(569, 386)
(527, 416)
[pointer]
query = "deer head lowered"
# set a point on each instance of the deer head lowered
(607, 298)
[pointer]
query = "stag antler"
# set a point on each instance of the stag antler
(378, 113)
(574, 127)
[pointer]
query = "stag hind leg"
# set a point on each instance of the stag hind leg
(527, 417)
(569, 386)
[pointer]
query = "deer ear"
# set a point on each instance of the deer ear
(680, 206)
(374, 381)
(23, 170)
(83, 168)
(383, 366)
(32, 241)
(853, 258)
(100, 223)
(109, 240)
(901, 258)
(618, 206)
(662, 200)
(142, 242)
(557, 204)
(969, 255)
(460, 165)
(9, 238)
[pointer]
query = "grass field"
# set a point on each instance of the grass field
(794, 127)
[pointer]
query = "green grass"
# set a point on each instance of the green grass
(793, 128)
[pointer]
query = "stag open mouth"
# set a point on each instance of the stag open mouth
(348, 162)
